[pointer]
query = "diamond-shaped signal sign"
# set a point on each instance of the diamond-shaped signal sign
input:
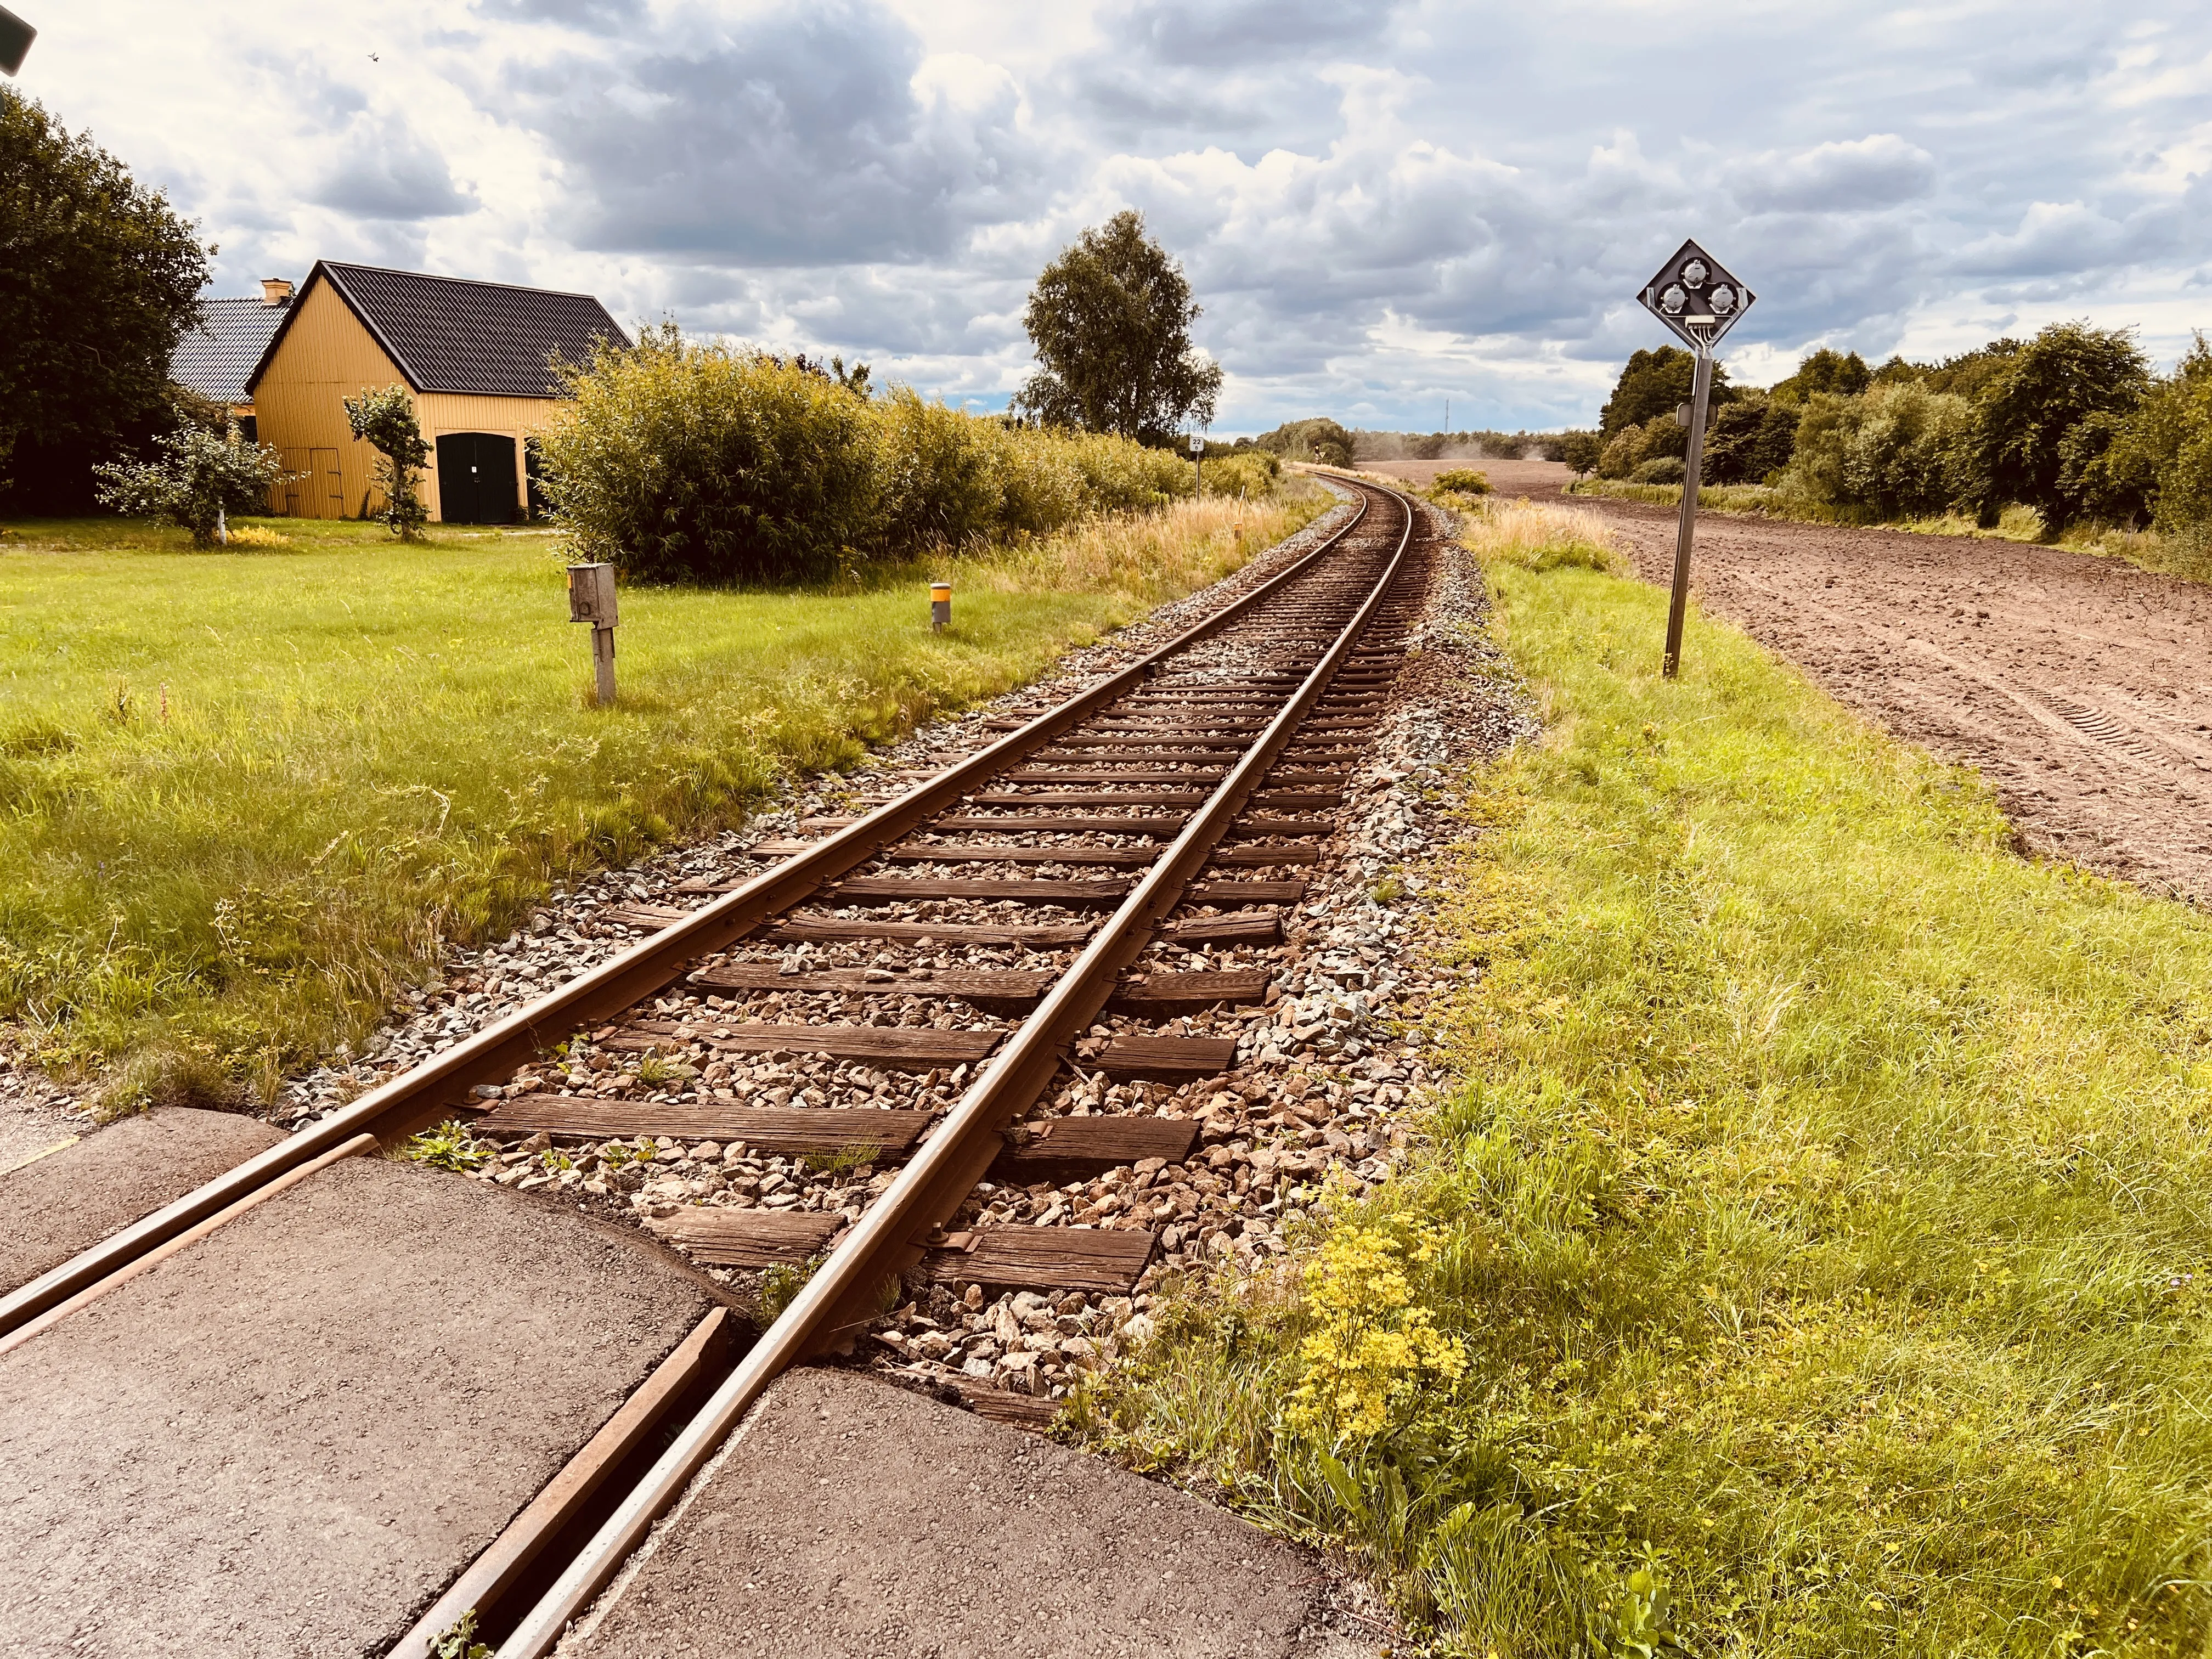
(1694, 295)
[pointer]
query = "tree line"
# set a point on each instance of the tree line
(2076, 424)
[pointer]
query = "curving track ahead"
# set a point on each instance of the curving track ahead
(1180, 778)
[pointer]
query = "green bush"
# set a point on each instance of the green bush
(2157, 462)
(1751, 440)
(197, 478)
(1318, 439)
(1462, 481)
(1116, 475)
(1899, 451)
(683, 461)
(944, 475)
(1251, 474)
(1631, 447)
(2069, 373)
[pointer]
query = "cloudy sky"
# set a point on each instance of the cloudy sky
(1381, 206)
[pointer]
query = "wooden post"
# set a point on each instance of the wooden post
(603, 665)
(592, 600)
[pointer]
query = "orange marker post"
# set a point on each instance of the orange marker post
(940, 606)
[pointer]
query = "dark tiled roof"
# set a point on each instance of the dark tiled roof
(215, 361)
(447, 335)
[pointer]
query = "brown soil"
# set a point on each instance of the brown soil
(1506, 477)
(2082, 688)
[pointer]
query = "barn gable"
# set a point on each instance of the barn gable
(449, 335)
(477, 357)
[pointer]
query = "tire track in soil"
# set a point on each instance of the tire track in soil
(2079, 687)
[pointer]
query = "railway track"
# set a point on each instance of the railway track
(1064, 899)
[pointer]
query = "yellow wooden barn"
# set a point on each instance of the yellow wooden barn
(477, 356)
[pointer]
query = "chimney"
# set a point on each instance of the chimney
(275, 290)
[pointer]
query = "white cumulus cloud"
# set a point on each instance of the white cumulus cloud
(1381, 206)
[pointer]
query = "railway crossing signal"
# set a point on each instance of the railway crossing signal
(1696, 297)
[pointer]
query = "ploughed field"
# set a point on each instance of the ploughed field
(2080, 687)
(1533, 478)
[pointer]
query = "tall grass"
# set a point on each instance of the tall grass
(244, 799)
(1821, 1204)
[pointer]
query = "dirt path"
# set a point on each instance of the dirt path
(2080, 687)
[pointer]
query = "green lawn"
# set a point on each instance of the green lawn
(1820, 1217)
(245, 796)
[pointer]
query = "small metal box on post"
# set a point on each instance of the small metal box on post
(1699, 301)
(592, 600)
(1197, 466)
(940, 606)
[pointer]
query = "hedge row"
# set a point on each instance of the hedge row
(683, 461)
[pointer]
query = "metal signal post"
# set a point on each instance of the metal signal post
(1696, 298)
(1686, 530)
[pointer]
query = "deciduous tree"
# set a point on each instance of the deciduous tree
(1652, 384)
(1317, 440)
(2159, 461)
(1110, 319)
(197, 476)
(2067, 374)
(384, 419)
(1580, 450)
(1844, 374)
(99, 280)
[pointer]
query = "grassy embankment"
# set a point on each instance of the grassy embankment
(1818, 1216)
(247, 797)
(2147, 549)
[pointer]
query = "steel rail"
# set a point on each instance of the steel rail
(927, 1191)
(415, 1099)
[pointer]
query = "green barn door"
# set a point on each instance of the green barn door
(476, 479)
